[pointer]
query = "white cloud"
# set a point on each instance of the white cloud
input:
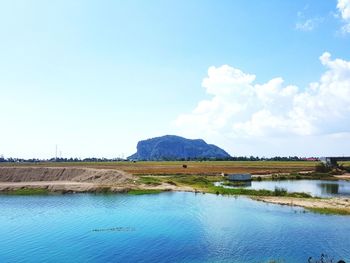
(242, 109)
(344, 10)
(305, 23)
(308, 25)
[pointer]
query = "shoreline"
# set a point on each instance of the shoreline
(62, 180)
(334, 205)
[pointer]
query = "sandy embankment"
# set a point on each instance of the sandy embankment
(74, 179)
(66, 179)
(324, 203)
(345, 176)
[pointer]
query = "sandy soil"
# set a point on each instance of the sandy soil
(30, 174)
(74, 179)
(338, 203)
(65, 179)
(169, 187)
(343, 176)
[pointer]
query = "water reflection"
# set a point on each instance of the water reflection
(329, 188)
(321, 188)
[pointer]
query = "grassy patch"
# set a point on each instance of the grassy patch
(199, 181)
(252, 192)
(329, 211)
(297, 176)
(144, 191)
(150, 180)
(28, 191)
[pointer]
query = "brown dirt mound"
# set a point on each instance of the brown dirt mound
(35, 174)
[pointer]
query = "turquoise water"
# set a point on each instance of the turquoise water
(322, 188)
(168, 227)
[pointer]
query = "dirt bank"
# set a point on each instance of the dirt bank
(74, 179)
(341, 204)
(71, 174)
(64, 179)
(343, 176)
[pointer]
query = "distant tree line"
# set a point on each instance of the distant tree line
(37, 160)
(244, 158)
(94, 159)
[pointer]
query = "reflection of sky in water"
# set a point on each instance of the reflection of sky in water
(314, 187)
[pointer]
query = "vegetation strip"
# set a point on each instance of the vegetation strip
(144, 191)
(27, 191)
(329, 211)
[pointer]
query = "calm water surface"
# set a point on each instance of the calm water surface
(169, 227)
(323, 188)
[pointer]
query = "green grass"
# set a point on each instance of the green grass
(144, 191)
(200, 180)
(329, 211)
(28, 191)
(150, 180)
(252, 192)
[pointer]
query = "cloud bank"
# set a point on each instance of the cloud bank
(241, 108)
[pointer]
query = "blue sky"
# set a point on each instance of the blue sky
(95, 77)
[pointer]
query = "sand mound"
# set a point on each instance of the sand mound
(35, 174)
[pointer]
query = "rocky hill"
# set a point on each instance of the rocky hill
(171, 147)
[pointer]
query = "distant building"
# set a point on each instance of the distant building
(239, 177)
(311, 159)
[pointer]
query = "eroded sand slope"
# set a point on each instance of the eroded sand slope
(62, 178)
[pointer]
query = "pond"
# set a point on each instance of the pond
(168, 227)
(321, 188)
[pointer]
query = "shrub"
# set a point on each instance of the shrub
(280, 191)
(322, 168)
(171, 182)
